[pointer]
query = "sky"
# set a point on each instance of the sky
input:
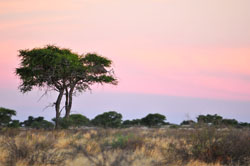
(174, 57)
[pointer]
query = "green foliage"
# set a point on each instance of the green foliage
(59, 68)
(45, 66)
(74, 120)
(63, 123)
(108, 119)
(210, 119)
(120, 141)
(14, 124)
(153, 120)
(127, 141)
(174, 126)
(134, 122)
(37, 123)
(5, 116)
(78, 120)
(244, 124)
(229, 122)
(42, 125)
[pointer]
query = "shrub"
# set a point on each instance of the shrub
(153, 120)
(78, 120)
(37, 123)
(42, 125)
(209, 119)
(229, 122)
(134, 122)
(211, 146)
(129, 142)
(14, 124)
(108, 119)
(5, 116)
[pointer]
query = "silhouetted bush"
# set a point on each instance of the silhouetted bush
(74, 120)
(37, 123)
(243, 124)
(108, 119)
(210, 119)
(14, 124)
(78, 120)
(153, 120)
(129, 123)
(229, 122)
(5, 116)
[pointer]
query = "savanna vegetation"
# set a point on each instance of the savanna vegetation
(205, 146)
(108, 139)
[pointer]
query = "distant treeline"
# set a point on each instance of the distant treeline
(113, 119)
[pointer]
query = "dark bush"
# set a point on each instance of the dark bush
(108, 119)
(14, 124)
(229, 122)
(153, 120)
(37, 123)
(134, 122)
(5, 116)
(210, 119)
(78, 120)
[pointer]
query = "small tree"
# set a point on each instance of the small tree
(153, 120)
(5, 116)
(78, 120)
(108, 119)
(212, 119)
(61, 70)
(229, 122)
(134, 122)
(14, 124)
(37, 123)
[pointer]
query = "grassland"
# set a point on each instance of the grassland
(125, 147)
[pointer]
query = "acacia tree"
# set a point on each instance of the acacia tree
(59, 69)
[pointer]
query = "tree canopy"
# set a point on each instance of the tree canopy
(212, 119)
(5, 116)
(37, 123)
(108, 119)
(153, 120)
(64, 71)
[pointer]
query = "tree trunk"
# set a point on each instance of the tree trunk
(69, 102)
(66, 103)
(57, 105)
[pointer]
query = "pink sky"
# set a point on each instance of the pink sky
(173, 47)
(188, 48)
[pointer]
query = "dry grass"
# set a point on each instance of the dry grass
(123, 147)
